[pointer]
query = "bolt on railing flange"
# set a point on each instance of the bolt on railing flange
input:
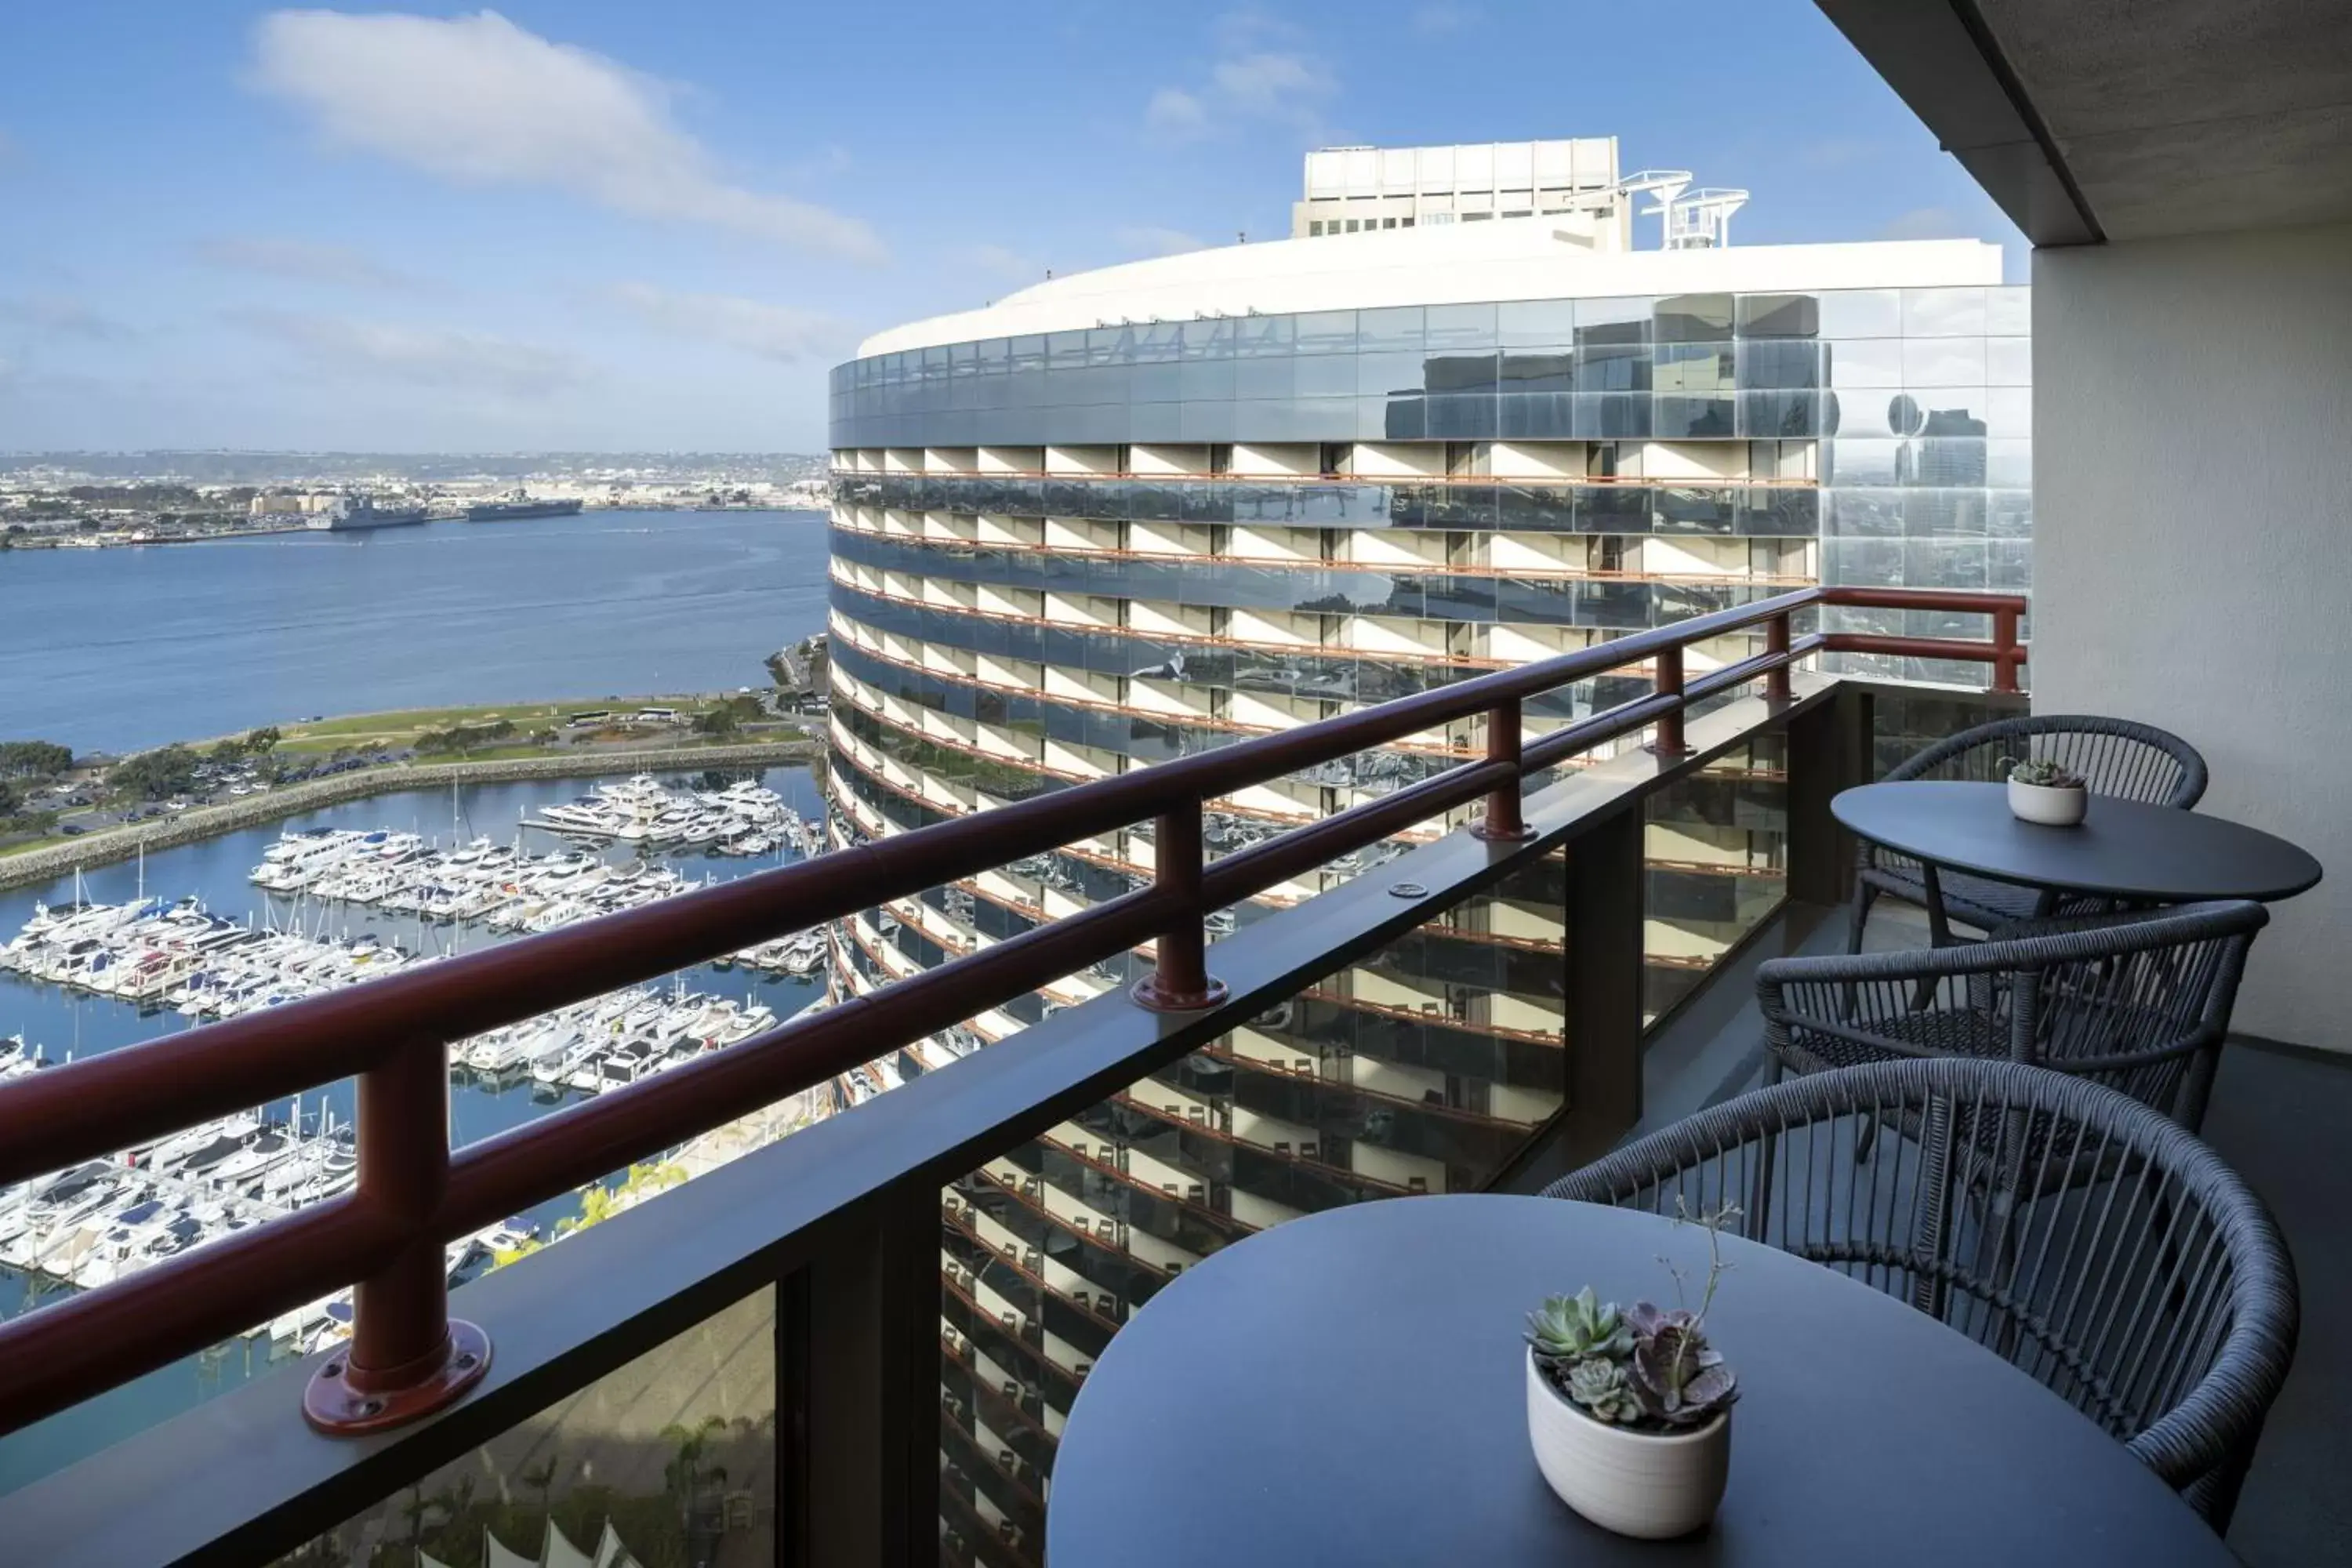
(345, 1401)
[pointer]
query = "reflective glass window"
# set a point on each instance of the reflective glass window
(1205, 380)
(1861, 313)
(2008, 362)
(1265, 336)
(1864, 362)
(1536, 323)
(2009, 411)
(1322, 375)
(1158, 343)
(2008, 463)
(1943, 361)
(1386, 330)
(1943, 312)
(994, 354)
(1779, 316)
(1692, 319)
(1611, 323)
(2008, 311)
(1848, 462)
(1857, 513)
(1109, 345)
(1612, 367)
(1066, 348)
(1380, 374)
(1693, 367)
(1325, 331)
(1207, 340)
(1526, 371)
(1460, 373)
(1769, 365)
(1027, 353)
(1270, 376)
(1462, 326)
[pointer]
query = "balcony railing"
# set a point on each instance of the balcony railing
(841, 1220)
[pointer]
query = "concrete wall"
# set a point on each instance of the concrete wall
(2193, 546)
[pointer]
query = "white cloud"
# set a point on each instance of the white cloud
(1263, 71)
(1927, 223)
(64, 317)
(426, 357)
(305, 261)
(1154, 241)
(1003, 263)
(1175, 115)
(1435, 21)
(1271, 83)
(482, 101)
(772, 331)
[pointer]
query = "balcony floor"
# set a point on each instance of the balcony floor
(2275, 1117)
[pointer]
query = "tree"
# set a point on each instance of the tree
(541, 1477)
(34, 759)
(155, 776)
(685, 1471)
(260, 742)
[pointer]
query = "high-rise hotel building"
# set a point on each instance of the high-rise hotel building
(1131, 514)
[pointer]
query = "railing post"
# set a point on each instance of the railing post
(2004, 642)
(1179, 982)
(406, 1357)
(1504, 823)
(1669, 743)
(1828, 751)
(1776, 640)
(1603, 920)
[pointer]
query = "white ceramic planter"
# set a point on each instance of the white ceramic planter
(1634, 1483)
(2048, 804)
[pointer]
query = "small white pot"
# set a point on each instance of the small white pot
(1635, 1483)
(2049, 805)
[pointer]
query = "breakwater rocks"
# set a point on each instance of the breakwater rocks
(293, 800)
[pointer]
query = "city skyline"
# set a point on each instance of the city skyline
(586, 228)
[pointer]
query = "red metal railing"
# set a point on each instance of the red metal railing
(414, 1195)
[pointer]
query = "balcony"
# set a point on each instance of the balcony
(859, 1343)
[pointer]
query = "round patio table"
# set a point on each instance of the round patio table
(2123, 849)
(1350, 1388)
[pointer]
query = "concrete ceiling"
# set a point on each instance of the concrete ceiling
(2129, 119)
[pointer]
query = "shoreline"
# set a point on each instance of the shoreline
(54, 861)
(88, 542)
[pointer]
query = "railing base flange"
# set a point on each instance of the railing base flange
(1501, 835)
(333, 1406)
(1148, 994)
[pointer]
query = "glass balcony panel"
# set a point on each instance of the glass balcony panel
(1424, 1067)
(670, 1460)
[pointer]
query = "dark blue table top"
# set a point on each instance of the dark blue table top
(2122, 848)
(1348, 1389)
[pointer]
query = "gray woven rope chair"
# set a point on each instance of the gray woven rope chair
(2137, 1002)
(2114, 757)
(2161, 1303)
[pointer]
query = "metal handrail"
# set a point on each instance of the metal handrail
(406, 1357)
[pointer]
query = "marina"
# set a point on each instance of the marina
(189, 929)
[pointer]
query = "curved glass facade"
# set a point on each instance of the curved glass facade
(1059, 556)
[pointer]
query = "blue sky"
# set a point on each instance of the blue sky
(609, 225)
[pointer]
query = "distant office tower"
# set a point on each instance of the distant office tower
(1133, 514)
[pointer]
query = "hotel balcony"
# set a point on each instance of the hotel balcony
(1094, 1026)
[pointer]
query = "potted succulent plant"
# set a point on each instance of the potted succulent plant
(2041, 790)
(1630, 1411)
